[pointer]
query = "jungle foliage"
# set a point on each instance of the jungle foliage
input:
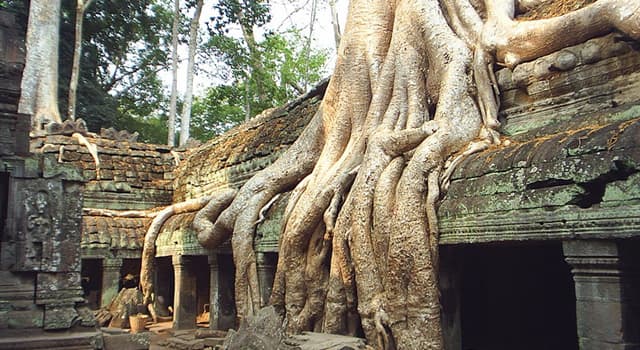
(125, 49)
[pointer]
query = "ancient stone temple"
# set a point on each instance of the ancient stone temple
(227, 161)
(121, 175)
(540, 237)
(58, 258)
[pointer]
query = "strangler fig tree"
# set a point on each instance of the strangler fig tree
(413, 92)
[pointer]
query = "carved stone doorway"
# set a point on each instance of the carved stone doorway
(164, 286)
(517, 296)
(91, 281)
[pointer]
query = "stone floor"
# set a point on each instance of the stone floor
(164, 338)
(18, 339)
(157, 336)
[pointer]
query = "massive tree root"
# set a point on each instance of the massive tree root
(413, 93)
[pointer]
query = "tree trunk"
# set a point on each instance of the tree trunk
(337, 34)
(255, 62)
(412, 88)
(39, 95)
(188, 97)
(81, 7)
(247, 99)
(171, 123)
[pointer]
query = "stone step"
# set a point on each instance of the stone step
(180, 343)
(127, 341)
(37, 339)
(213, 342)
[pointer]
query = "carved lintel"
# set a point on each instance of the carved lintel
(263, 262)
(112, 264)
(593, 258)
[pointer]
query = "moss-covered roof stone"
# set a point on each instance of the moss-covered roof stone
(232, 158)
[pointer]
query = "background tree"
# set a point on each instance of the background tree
(171, 123)
(188, 96)
(217, 111)
(81, 8)
(123, 53)
(39, 87)
(337, 33)
(246, 14)
(286, 65)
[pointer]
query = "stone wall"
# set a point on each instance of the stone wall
(570, 169)
(14, 127)
(129, 175)
(40, 214)
(40, 248)
(11, 61)
(232, 158)
(229, 161)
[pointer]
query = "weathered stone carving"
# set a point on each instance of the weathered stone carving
(122, 135)
(38, 226)
(68, 127)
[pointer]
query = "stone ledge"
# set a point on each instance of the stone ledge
(37, 339)
(561, 224)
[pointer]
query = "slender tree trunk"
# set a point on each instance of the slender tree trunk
(256, 67)
(337, 34)
(171, 123)
(247, 98)
(307, 47)
(39, 96)
(81, 8)
(188, 97)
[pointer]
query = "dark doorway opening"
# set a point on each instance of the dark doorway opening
(130, 272)
(630, 251)
(200, 264)
(517, 297)
(91, 273)
(227, 272)
(164, 284)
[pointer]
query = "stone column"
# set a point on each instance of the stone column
(266, 272)
(184, 300)
(110, 280)
(214, 292)
(604, 286)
